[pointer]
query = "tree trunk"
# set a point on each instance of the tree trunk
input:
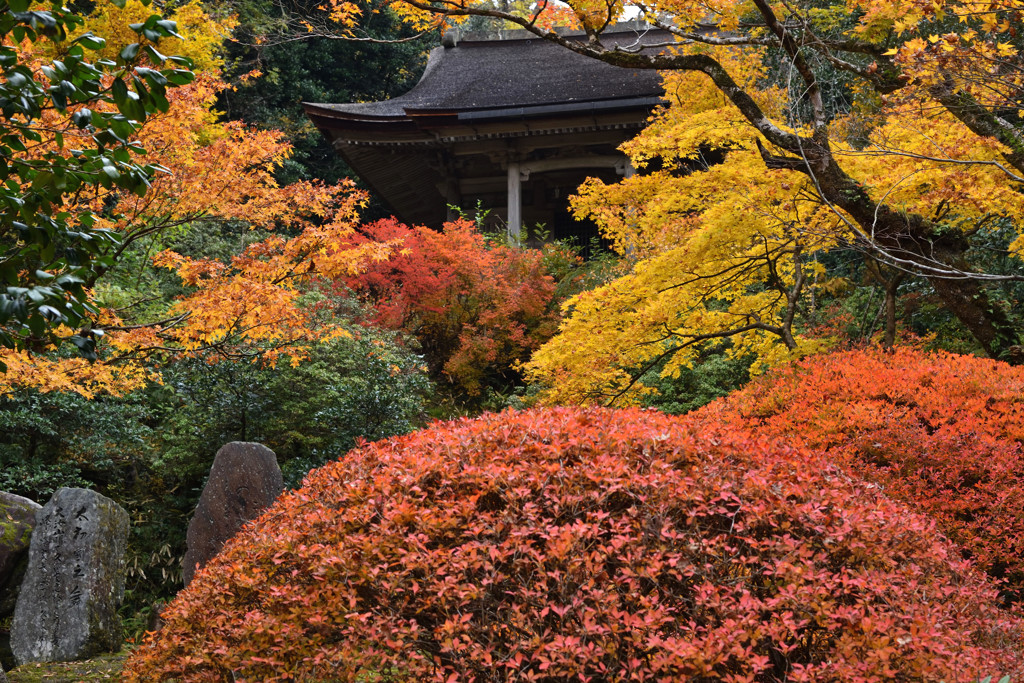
(987, 322)
(890, 313)
(918, 242)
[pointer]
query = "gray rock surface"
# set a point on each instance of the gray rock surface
(244, 481)
(74, 584)
(17, 519)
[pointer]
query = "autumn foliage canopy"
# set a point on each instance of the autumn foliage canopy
(942, 432)
(584, 544)
(211, 171)
(796, 139)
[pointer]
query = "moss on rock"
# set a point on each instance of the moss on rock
(105, 668)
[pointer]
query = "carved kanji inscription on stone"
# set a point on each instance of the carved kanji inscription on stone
(74, 584)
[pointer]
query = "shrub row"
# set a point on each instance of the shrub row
(939, 431)
(591, 545)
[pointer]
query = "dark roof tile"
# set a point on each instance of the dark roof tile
(500, 74)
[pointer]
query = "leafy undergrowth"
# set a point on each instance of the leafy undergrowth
(590, 545)
(942, 432)
(103, 668)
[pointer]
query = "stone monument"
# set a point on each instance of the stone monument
(74, 584)
(244, 481)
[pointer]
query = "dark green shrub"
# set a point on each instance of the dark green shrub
(54, 439)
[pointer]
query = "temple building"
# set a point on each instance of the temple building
(507, 122)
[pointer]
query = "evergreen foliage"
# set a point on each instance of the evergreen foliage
(296, 66)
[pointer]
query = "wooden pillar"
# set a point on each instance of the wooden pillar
(452, 197)
(515, 202)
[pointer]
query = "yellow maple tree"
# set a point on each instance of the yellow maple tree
(728, 251)
(892, 129)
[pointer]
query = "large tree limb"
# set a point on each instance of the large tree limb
(980, 119)
(792, 49)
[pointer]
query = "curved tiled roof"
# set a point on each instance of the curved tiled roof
(524, 73)
(479, 103)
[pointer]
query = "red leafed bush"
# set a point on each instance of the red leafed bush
(589, 545)
(942, 432)
(475, 309)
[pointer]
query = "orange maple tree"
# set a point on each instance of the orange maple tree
(210, 170)
(476, 310)
(940, 431)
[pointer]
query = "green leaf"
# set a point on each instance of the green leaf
(183, 61)
(130, 52)
(93, 42)
(154, 56)
(132, 108)
(37, 325)
(169, 28)
(179, 76)
(59, 100)
(119, 91)
(82, 117)
(159, 100)
(42, 179)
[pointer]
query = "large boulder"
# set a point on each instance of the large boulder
(74, 584)
(244, 481)
(17, 519)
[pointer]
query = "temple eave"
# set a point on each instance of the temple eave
(511, 127)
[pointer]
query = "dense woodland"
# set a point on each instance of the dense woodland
(599, 468)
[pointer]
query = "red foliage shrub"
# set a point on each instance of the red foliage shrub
(475, 309)
(942, 432)
(589, 545)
